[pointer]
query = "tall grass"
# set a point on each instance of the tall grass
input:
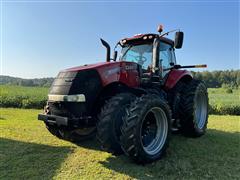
(223, 102)
(23, 97)
(220, 101)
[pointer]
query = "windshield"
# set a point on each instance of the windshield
(141, 54)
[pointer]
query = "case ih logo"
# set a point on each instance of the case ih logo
(118, 69)
(130, 67)
(112, 71)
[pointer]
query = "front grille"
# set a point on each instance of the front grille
(85, 82)
(81, 82)
(62, 83)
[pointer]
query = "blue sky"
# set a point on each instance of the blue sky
(39, 38)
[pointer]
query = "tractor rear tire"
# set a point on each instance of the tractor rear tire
(146, 129)
(73, 135)
(194, 109)
(110, 121)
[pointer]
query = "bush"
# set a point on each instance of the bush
(32, 103)
(22, 102)
(221, 109)
(229, 91)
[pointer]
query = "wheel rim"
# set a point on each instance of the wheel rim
(154, 131)
(201, 109)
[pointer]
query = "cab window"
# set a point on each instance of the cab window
(140, 54)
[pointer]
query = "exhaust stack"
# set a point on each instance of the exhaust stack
(104, 43)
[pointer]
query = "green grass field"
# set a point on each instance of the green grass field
(29, 151)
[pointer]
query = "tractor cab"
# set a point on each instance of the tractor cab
(153, 53)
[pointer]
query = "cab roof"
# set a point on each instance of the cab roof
(149, 37)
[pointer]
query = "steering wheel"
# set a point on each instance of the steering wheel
(141, 59)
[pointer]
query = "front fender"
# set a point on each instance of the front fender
(176, 75)
(122, 72)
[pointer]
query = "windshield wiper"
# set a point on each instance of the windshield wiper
(129, 47)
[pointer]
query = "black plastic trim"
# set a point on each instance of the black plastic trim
(52, 119)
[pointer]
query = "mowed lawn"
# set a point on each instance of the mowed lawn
(29, 151)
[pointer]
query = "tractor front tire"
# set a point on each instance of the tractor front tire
(194, 109)
(146, 129)
(53, 130)
(110, 121)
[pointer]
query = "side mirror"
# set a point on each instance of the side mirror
(178, 40)
(115, 55)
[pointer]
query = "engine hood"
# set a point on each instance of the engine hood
(109, 72)
(90, 66)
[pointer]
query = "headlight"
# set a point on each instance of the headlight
(67, 98)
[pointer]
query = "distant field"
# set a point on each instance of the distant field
(29, 151)
(23, 97)
(35, 97)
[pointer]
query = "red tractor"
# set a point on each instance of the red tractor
(132, 104)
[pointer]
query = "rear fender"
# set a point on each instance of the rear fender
(175, 76)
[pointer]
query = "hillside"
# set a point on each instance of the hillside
(8, 80)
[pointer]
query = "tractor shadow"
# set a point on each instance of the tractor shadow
(214, 155)
(22, 160)
(89, 144)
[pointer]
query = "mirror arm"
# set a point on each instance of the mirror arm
(169, 32)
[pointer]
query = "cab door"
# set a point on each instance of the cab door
(166, 56)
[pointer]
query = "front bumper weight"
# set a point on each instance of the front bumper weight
(52, 119)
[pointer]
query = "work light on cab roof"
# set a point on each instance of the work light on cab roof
(160, 28)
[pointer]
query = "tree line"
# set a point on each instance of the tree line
(216, 79)
(213, 79)
(41, 82)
